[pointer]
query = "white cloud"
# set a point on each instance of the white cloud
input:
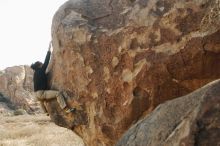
(25, 30)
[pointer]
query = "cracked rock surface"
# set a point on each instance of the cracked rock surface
(16, 85)
(119, 59)
(192, 120)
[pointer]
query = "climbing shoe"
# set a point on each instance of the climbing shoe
(70, 110)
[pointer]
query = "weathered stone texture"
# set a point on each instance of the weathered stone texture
(16, 83)
(192, 120)
(120, 59)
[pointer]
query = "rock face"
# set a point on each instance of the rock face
(6, 106)
(16, 83)
(192, 120)
(119, 59)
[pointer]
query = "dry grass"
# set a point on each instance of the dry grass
(27, 130)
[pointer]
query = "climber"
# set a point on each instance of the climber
(42, 92)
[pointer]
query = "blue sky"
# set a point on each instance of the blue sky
(25, 30)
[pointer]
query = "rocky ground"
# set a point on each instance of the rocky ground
(35, 130)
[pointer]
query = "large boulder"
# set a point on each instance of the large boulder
(192, 120)
(6, 106)
(119, 59)
(16, 84)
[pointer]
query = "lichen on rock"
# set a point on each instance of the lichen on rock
(120, 59)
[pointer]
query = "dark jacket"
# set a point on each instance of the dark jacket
(40, 76)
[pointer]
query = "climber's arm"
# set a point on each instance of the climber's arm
(47, 59)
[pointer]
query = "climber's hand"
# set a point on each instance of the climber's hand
(49, 48)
